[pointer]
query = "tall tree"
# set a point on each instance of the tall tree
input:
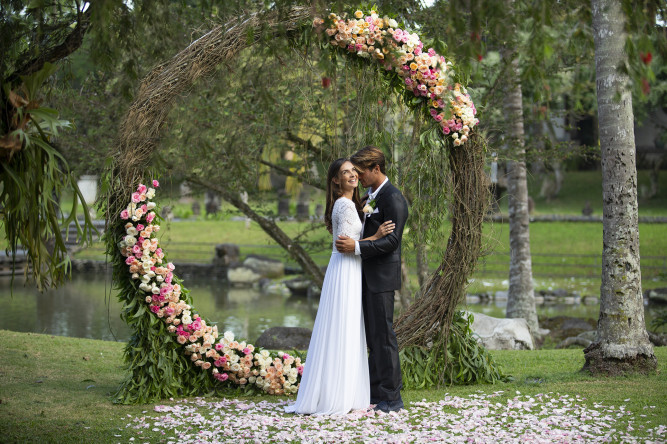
(622, 343)
(521, 296)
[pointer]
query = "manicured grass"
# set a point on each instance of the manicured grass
(580, 187)
(57, 389)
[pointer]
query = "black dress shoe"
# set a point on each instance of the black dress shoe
(382, 406)
(394, 406)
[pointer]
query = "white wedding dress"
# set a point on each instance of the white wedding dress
(335, 378)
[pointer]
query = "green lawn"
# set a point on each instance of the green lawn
(57, 389)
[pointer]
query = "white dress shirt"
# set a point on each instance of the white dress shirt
(371, 195)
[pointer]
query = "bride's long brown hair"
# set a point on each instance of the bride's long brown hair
(334, 191)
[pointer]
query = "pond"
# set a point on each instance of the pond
(86, 308)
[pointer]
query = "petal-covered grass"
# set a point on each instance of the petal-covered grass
(56, 389)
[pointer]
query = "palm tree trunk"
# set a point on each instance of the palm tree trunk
(622, 343)
(521, 296)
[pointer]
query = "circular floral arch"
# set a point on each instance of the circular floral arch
(155, 304)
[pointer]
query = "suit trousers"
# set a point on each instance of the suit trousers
(383, 362)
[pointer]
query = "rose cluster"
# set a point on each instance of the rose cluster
(425, 73)
(227, 359)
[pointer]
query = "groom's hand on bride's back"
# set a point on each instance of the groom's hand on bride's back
(345, 244)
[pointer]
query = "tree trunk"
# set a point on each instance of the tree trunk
(521, 297)
(622, 343)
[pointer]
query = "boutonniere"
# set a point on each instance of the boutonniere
(370, 206)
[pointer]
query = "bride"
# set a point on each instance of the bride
(335, 378)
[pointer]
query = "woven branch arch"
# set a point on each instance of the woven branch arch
(428, 319)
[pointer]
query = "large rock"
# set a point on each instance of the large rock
(285, 338)
(242, 276)
(226, 255)
(265, 267)
(298, 286)
(563, 327)
(502, 334)
(657, 295)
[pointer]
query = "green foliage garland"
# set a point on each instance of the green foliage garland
(466, 360)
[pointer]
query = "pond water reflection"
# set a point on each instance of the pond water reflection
(86, 308)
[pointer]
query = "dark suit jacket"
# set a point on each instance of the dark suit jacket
(382, 258)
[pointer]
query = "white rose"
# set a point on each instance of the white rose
(151, 205)
(135, 275)
(292, 380)
(229, 336)
(159, 278)
(265, 353)
(262, 373)
(393, 23)
(130, 240)
(145, 287)
(252, 379)
(235, 367)
(155, 289)
(150, 193)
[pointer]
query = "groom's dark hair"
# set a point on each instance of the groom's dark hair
(367, 157)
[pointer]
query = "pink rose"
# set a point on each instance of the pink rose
(155, 308)
(142, 188)
(140, 227)
(156, 183)
(431, 52)
(124, 214)
(129, 260)
(144, 207)
(150, 217)
(246, 351)
(445, 129)
(218, 346)
(136, 197)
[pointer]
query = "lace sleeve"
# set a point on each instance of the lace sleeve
(347, 219)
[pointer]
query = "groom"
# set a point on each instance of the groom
(381, 276)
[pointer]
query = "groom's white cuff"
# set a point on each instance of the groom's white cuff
(357, 250)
